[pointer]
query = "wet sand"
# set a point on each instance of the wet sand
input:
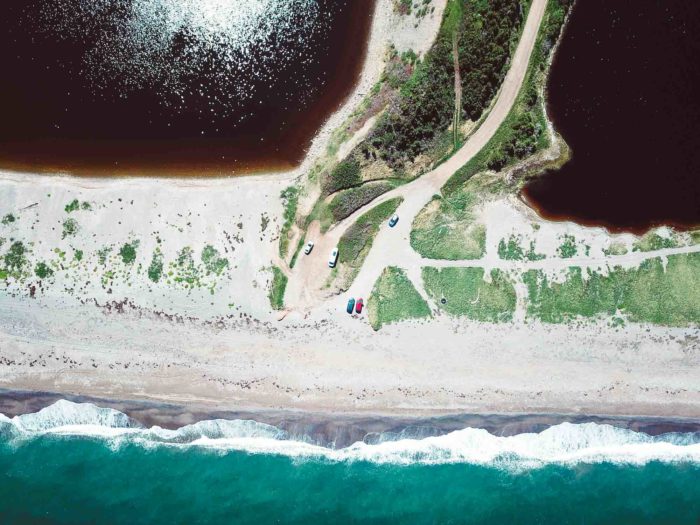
(340, 430)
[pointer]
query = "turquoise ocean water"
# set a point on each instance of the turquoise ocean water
(77, 465)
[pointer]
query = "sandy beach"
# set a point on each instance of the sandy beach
(321, 364)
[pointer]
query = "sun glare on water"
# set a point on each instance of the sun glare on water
(220, 50)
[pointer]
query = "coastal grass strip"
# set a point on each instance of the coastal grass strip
(277, 288)
(465, 292)
(447, 229)
(664, 294)
(394, 299)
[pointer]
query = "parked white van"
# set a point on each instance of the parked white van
(333, 259)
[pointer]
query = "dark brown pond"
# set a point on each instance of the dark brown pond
(173, 87)
(624, 91)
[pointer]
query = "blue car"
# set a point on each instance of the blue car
(351, 306)
(394, 219)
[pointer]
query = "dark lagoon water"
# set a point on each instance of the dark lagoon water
(181, 87)
(624, 91)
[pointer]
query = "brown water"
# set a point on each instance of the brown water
(173, 87)
(624, 91)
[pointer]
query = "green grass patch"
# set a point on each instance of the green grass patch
(615, 248)
(348, 201)
(512, 250)
(155, 269)
(128, 252)
(357, 240)
(567, 249)
(346, 174)
(652, 241)
(643, 294)
(394, 298)
(290, 199)
(446, 229)
(16, 258)
(103, 254)
(277, 288)
(466, 293)
(42, 270)
(297, 251)
(213, 261)
(70, 228)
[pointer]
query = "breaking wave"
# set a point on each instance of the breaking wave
(565, 444)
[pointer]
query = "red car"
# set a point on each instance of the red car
(358, 306)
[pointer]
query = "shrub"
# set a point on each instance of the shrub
(72, 206)
(348, 201)
(345, 175)
(15, 258)
(42, 271)
(155, 269)
(212, 261)
(70, 228)
(128, 252)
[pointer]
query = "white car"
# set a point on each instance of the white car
(309, 246)
(333, 259)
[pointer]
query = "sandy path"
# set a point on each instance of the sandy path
(314, 270)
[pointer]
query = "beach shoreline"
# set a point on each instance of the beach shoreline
(340, 429)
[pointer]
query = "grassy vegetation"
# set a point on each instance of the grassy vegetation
(446, 229)
(394, 299)
(644, 294)
(70, 228)
(695, 237)
(15, 259)
(290, 199)
(523, 131)
(344, 175)
(512, 250)
(128, 252)
(42, 270)
(467, 294)
(75, 205)
(652, 241)
(357, 240)
(277, 288)
(568, 248)
(615, 248)
(348, 201)
(155, 269)
(212, 260)
(8, 219)
(297, 251)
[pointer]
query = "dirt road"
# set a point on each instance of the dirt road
(306, 281)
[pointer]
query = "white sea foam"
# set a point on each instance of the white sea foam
(565, 443)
